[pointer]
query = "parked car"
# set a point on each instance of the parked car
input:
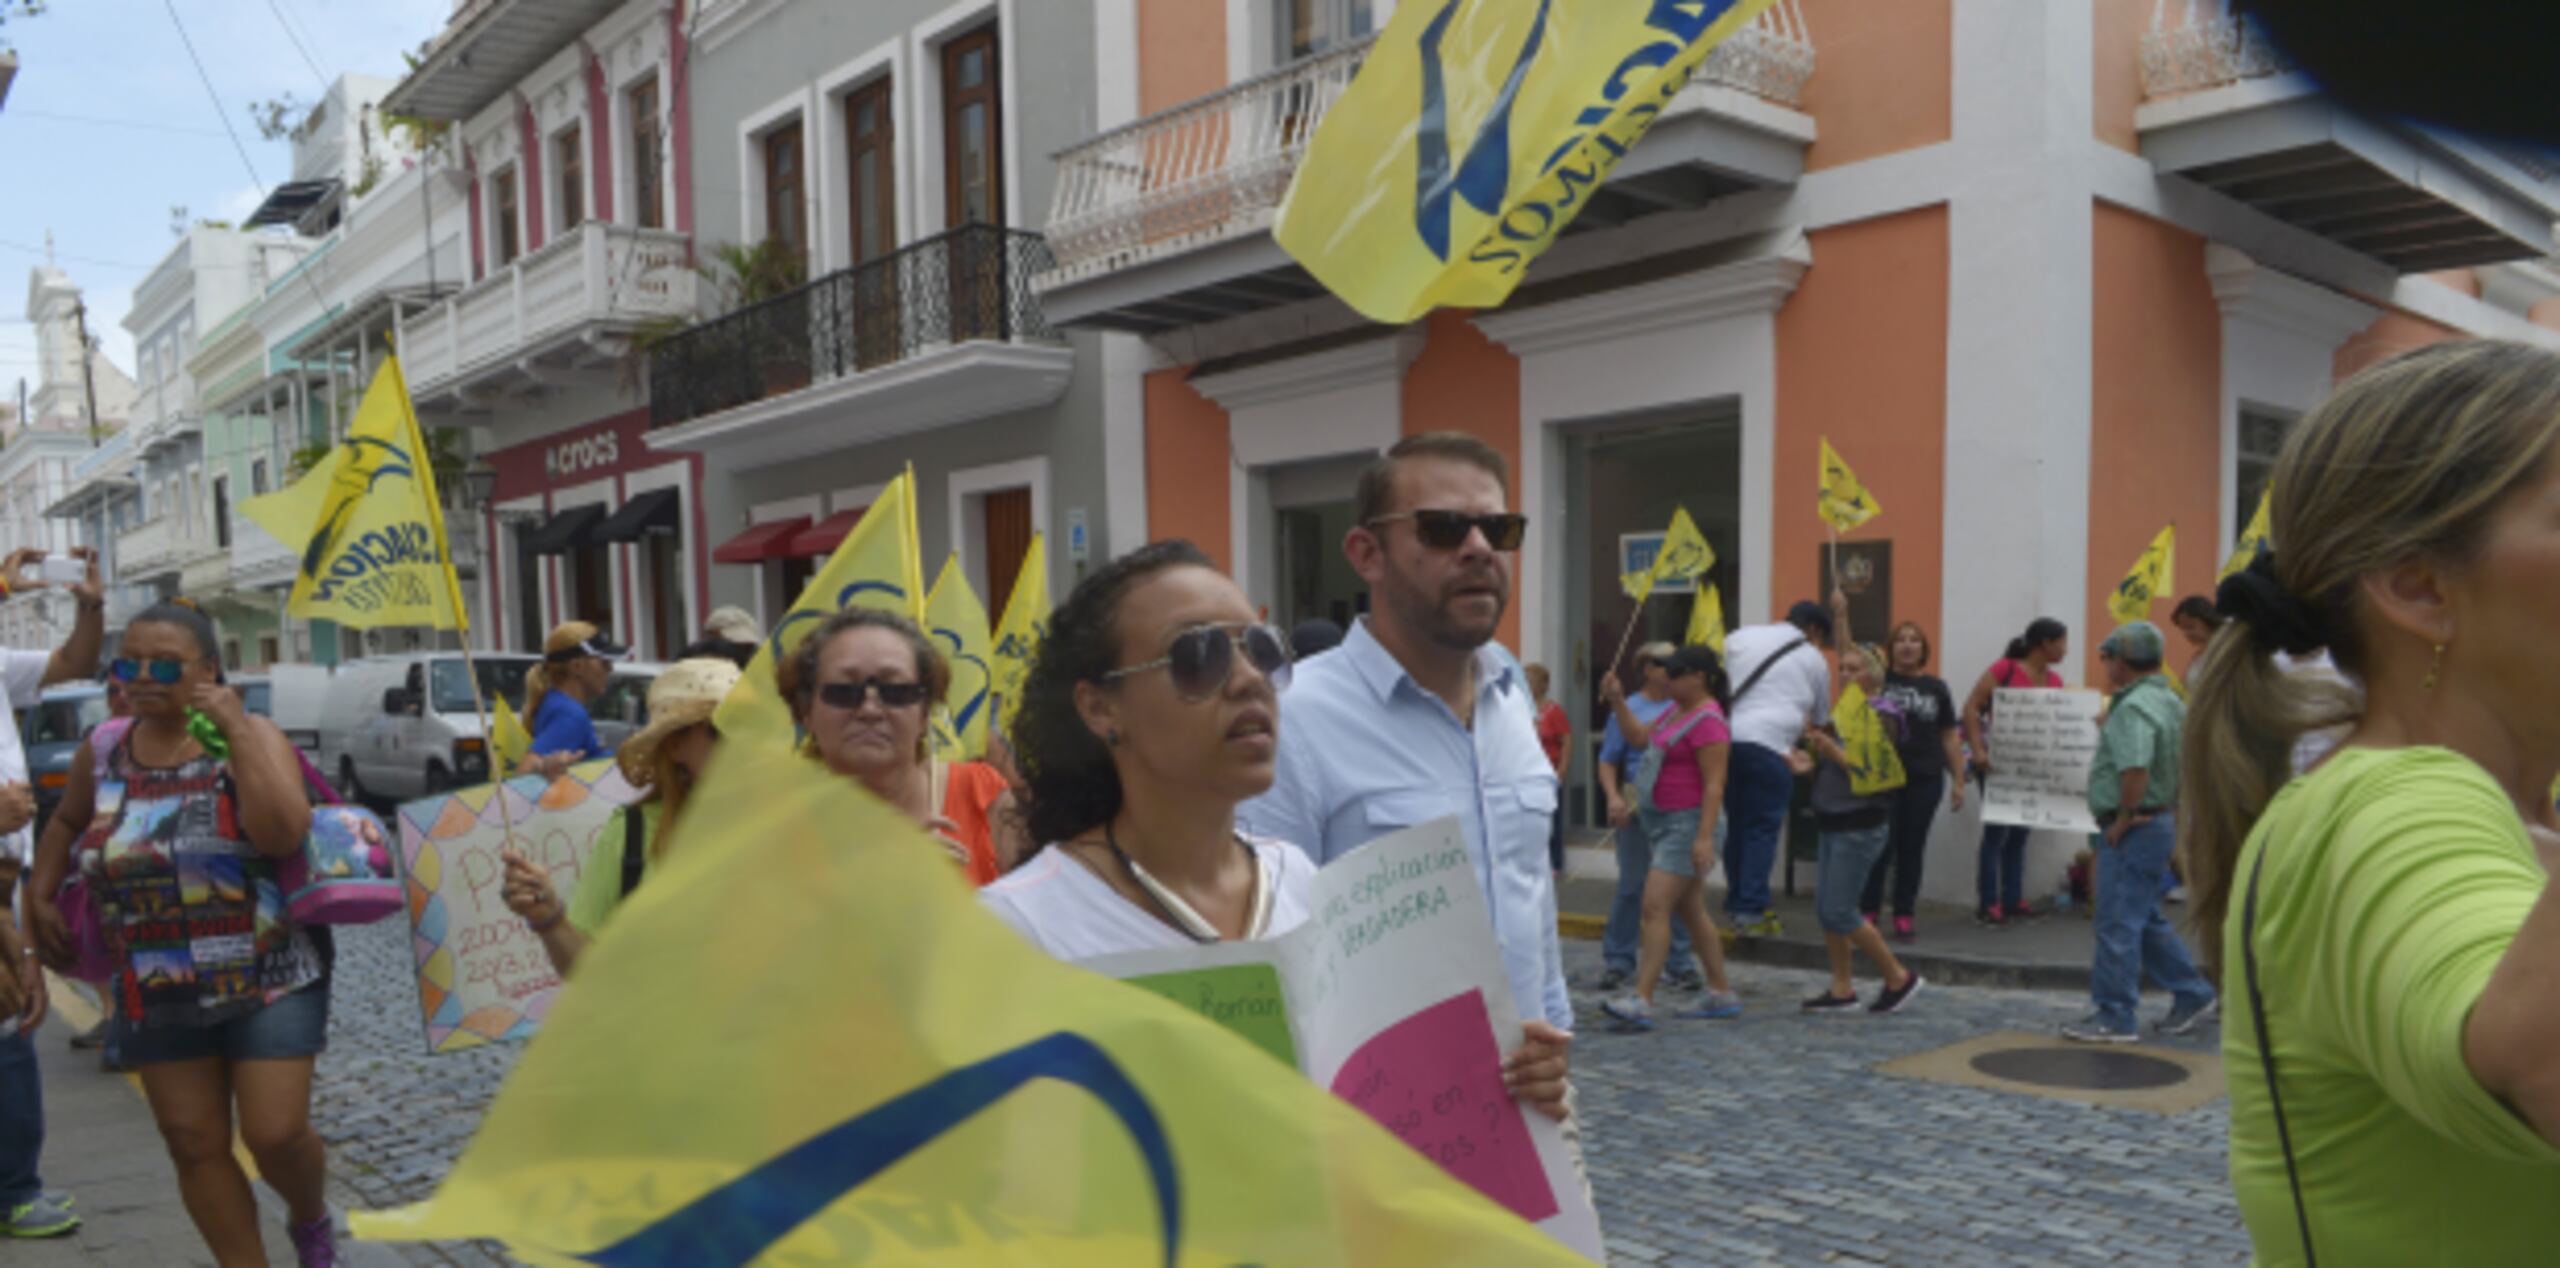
(394, 728)
(624, 707)
(51, 732)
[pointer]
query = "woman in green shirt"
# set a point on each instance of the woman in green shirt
(2395, 1075)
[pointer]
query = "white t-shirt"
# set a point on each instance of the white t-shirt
(1794, 693)
(1061, 907)
(2315, 745)
(21, 683)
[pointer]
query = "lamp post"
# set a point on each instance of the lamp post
(479, 484)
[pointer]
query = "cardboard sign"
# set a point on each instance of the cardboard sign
(2042, 741)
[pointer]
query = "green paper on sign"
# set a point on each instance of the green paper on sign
(1244, 998)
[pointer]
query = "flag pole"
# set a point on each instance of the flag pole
(1629, 635)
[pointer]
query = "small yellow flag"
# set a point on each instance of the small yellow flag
(507, 737)
(2151, 577)
(1026, 620)
(1684, 555)
(1706, 619)
(1874, 766)
(2253, 541)
(1844, 503)
(957, 621)
(875, 566)
(367, 523)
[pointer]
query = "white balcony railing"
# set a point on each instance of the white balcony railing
(599, 274)
(258, 560)
(1216, 168)
(149, 547)
(2194, 45)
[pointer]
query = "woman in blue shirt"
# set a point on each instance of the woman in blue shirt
(577, 662)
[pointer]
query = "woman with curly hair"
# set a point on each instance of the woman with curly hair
(1151, 712)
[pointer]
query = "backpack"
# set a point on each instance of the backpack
(1649, 771)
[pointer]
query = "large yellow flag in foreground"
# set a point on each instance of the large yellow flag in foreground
(1844, 503)
(1475, 131)
(367, 524)
(2253, 541)
(957, 621)
(875, 566)
(1685, 555)
(2151, 577)
(941, 1094)
(1026, 620)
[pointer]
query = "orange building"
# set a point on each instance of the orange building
(2049, 273)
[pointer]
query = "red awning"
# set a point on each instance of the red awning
(769, 540)
(829, 533)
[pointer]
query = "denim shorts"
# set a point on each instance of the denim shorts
(1673, 834)
(293, 1027)
(1847, 857)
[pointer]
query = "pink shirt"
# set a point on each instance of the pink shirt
(1680, 787)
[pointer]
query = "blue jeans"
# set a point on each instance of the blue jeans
(2001, 880)
(1757, 788)
(2133, 937)
(21, 1119)
(1626, 908)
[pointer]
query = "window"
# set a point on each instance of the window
(784, 218)
(451, 682)
(573, 179)
(222, 511)
(269, 651)
(502, 209)
(1309, 27)
(257, 476)
(871, 170)
(231, 654)
(2262, 433)
(972, 131)
(648, 173)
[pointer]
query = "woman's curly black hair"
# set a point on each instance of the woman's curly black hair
(1073, 784)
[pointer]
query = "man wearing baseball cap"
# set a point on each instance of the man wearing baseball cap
(2133, 795)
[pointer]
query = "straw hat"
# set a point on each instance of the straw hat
(686, 693)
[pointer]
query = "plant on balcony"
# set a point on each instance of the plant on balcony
(743, 276)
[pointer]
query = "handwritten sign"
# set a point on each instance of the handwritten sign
(482, 974)
(1393, 995)
(2042, 741)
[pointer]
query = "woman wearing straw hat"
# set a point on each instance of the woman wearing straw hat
(666, 757)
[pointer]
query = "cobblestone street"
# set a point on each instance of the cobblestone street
(1770, 1139)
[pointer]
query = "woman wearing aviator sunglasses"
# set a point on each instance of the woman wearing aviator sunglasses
(1149, 715)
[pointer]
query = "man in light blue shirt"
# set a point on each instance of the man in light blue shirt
(1419, 715)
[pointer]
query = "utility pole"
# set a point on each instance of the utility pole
(88, 377)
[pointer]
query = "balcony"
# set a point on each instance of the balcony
(943, 331)
(566, 307)
(153, 549)
(1167, 221)
(207, 574)
(258, 560)
(2225, 109)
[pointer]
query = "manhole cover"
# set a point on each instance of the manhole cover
(2086, 1069)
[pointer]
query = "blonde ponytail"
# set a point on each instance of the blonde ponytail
(537, 684)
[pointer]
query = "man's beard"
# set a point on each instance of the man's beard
(1431, 616)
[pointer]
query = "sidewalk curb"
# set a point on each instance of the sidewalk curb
(1947, 970)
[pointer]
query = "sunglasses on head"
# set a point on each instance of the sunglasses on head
(1201, 659)
(1447, 530)
(161, 669)
(893, 695)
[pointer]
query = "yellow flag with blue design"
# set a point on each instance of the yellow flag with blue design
(1844, 503)
(875, 566)
(941, 1094)
(507, 736)
(1874, 765)
(1684, 556)
(2253, 541)
(957, 622)
(2151, 577)
(1018, 635)
(367, 525)
(1474, 133)
(1706, 619)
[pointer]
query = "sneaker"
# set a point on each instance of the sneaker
(1613, 979)
(2090, 1030)
(1988, 916)
(1689, 983)
(1629, 1012)
(48, 1215)
(1902, 930)
(93, 1037)
(1827, 1002)
(2023, 911)
(1766, 926)
(315, 1245)
(2183, 1020)
(1875, 920)
(1717, 1006)
(1890, 1000)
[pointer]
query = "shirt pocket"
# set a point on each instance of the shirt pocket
(1394, 811)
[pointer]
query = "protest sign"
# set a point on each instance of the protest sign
(482, 974)
(2042, 741)
(1393, 995)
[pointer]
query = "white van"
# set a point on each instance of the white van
(297, 695)
(395, 728)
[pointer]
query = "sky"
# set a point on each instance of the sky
(108, 127)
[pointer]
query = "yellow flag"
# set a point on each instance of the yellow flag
(1474, 133)
(1845, 503)
(1874, 766)
(1026, 619)
(943, 1094)
(1706, 619)
(2151, 577)
(508, 737)
(2253, 541)
(367, 523)
(957, 621)
(875, 566)
(1684, 554)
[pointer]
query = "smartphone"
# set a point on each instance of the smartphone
(56, 570)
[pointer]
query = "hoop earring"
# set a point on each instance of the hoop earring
(2434, 670)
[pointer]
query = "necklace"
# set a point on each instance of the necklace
(1174, 911)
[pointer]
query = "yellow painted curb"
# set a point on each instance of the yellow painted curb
(1574, 925)
(77, 1012)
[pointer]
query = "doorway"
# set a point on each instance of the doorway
(662, 559)
(1311, 508)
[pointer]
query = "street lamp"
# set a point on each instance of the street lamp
(479, 483)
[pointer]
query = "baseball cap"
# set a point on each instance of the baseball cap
(579, 638)
(734, 625)
(1655, 653)
(1807, 614)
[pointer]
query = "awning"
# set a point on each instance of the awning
(768, 540)
(829, 533)
(565, 531)
(651, 513)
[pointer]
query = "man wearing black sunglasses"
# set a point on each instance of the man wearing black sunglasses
(1418, 716)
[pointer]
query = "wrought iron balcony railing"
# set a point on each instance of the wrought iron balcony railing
(969, 284)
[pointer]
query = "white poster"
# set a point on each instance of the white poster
(2042, 741)
(1393, 995)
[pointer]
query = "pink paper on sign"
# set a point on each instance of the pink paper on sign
(1435, 1080)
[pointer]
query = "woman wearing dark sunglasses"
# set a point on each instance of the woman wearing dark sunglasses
(862, 688)
(1151, 712)
(221, 1001)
